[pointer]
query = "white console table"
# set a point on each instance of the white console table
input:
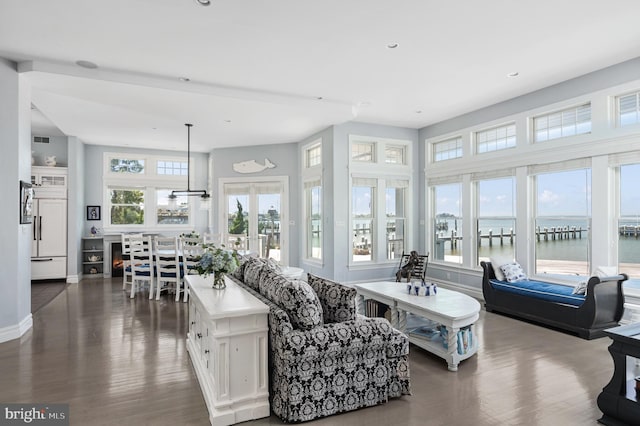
(227, 343)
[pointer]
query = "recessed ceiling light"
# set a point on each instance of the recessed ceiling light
(392, 45)
(513, 74)
(185, 79)
(204, 2)
(86, 64)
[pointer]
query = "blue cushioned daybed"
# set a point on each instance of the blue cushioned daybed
(555, 305)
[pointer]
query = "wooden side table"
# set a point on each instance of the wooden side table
(619, 401)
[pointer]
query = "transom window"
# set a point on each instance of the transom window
(448, 149)
(313, 156)
(394, 154)
(363, 152)
(124, 165)
(496, 138)
(560, 124)
(175, 168)
(629, 109)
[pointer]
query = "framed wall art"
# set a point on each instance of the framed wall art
(93, 212)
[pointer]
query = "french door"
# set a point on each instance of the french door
(253, 216)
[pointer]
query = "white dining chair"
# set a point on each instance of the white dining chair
(141, 265)
(125, 240)
(192, 249)
(169, 274)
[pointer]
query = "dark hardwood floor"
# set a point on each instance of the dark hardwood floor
(44, 291)
(122, 361)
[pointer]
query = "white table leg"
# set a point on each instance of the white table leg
(402, 319)
(452, 348)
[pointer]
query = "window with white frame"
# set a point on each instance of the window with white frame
(137, 189)
(496, 138)
(126, 205)
(395, 154)
(379, 198)
(312, 196)
(363, 152)
(447, 224)
(629, 221)
(313, 218)
(567, 122)
(395, 216)
(563, 222)
(174, 168)
(313, 156)
(447, 149)
(165, 215)
(496, 218)
(363, 202)
(628, 109)
(127, 165)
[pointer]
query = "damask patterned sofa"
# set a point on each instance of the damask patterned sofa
(323, 357)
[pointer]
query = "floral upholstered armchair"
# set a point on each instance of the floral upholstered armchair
(325, 358)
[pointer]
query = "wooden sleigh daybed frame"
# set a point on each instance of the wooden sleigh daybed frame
(602, 308)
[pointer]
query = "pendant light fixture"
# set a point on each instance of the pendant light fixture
(205, 198)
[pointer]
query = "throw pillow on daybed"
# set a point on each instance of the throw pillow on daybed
(513, 272)
(580, 288)
(497, 262)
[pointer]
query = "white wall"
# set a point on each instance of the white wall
(15, 239)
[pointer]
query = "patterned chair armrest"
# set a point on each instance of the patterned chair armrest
(337, 300)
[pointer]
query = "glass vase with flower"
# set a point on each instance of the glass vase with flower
(217, 261)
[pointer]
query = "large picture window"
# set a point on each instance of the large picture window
(313, 218)
(629, 221)
(127, 206)
(563, 221)
(395, 209)
(447, 223)
(496, 222)
(171, 216)
(363, 191)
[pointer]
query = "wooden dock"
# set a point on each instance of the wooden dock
(508, 236)
(542, 234)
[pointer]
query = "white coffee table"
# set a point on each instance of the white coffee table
(450, 308)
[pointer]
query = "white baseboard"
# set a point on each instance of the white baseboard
(16, 331)
(73, 279)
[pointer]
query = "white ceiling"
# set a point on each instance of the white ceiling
(257, 68)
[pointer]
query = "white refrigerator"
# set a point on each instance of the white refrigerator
(49, 239)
